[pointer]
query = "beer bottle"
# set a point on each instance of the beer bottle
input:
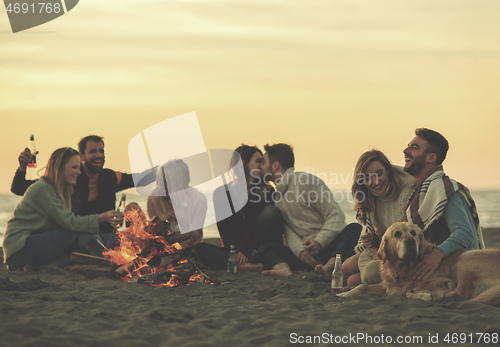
(337, 275)
(231, 261)
(121, 209)
(33, 150)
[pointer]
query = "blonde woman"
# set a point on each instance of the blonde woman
(42, 227)
(381, 191)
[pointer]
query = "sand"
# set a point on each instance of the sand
(58, 307)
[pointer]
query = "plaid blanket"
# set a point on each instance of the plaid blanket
(428, 201)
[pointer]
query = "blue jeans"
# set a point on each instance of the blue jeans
(43, 247)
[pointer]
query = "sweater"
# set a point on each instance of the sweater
(108, 184)
(309, 210)
(460, 223)
(41, 209)
(386, 212)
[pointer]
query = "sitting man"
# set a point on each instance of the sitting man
(315, 228)
(96, 187)
(440, 206)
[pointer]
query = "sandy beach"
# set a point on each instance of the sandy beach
(58, 307)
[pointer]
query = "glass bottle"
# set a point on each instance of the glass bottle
(33, 150)
(121, 209)
(231, 261)
(337, 275)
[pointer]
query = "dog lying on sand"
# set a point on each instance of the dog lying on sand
(464, 274)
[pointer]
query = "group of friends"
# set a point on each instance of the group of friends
(290, 221)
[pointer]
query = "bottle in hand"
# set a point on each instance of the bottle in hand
(121, 209)
(33, 150)
(231, 261)
(337, 275)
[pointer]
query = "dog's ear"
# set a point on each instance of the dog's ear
(382, 251)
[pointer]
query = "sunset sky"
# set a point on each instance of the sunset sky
(332, 78)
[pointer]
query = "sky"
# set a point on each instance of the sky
(331, 78)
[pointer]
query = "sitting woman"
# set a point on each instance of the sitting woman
(381, 191)
(42, 227)
(258, 222)
(173, 200)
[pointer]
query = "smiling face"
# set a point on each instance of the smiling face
(93, 158)
(377, 178)
(70, 171)
(415, 156)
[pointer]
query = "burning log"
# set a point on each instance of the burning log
(160, 278)
(152, 253)
(136, 264)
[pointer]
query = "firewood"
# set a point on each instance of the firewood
(131, 266)
(90, 259)
(169, 259)
(164, 277)
(177, 237)
(158, 227)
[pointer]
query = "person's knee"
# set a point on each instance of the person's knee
(271, 212)
(350, 266)
(371, 273)
(354, 229)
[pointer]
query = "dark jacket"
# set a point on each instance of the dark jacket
(238, 228)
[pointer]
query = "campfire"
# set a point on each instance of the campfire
(150, 252)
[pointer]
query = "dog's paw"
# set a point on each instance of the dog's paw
(348, 294)
(345, 295)
(425, 296)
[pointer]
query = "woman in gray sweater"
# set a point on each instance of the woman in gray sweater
(42, 227)
(381, 191)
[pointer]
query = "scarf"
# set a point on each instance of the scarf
(429, 200)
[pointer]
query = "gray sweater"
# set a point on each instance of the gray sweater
(41, 209)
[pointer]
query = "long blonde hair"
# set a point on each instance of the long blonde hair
(54, 173)
(363, 200)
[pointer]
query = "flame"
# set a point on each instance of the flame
(140, 252)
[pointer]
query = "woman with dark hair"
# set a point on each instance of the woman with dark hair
(381, 191)
(42, 227)
(256, 223)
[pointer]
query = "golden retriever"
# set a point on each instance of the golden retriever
(464, 274)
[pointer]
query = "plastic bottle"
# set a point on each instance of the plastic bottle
(337, 275)
(33, 150)
(231, 261)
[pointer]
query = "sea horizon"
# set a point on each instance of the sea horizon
(487, 202)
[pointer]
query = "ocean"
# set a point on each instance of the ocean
(487, 201)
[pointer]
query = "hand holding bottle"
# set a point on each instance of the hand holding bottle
(112, 217)
(24, 159)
